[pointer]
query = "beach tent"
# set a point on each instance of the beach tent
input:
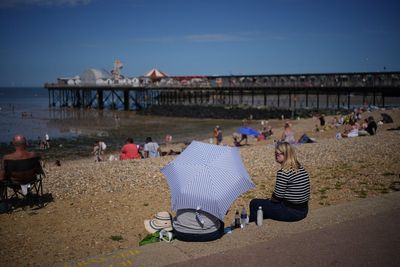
(155, 74)
(248, 131)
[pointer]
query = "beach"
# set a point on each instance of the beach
(95, 201)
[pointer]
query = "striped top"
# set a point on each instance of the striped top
(292, 187)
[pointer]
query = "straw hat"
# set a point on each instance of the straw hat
(161, 221)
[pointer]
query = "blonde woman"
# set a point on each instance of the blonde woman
(289, 201)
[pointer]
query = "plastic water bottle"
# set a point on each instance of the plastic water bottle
(243, 217)
(260, 216)
(237, 219)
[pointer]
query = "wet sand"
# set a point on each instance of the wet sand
(94, 201)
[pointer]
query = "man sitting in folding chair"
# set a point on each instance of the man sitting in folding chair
(21, 171)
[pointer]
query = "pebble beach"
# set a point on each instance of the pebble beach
(95, 202)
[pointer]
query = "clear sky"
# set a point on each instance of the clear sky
(41, 40)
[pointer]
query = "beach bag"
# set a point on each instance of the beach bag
(5, 207)
(386, 118)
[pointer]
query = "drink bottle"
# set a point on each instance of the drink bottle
(260, 216)
(237, 219)
(243, 217)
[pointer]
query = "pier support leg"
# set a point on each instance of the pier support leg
(348, 99)
(100, 103)
(374, 100)
(306, 98)
(126, 100)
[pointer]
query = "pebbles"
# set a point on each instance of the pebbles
(93, 201)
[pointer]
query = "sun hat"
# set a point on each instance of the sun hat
(163, 215)
(161, 221)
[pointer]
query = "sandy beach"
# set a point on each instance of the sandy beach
(95, 201)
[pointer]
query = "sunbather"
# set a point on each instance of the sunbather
(129, 150)
(19, 142)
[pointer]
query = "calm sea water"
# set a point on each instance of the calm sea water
(26, 111)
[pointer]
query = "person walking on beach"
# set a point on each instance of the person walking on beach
(97, 151)
(215, 133)
(218, 135)
(129, 150)
(47, 140)
(289, 201)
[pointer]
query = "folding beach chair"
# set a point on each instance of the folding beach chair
(24, 178)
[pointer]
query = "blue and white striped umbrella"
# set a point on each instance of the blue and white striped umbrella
(207, 177)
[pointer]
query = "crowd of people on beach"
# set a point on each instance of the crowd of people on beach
(353, 124)
(133, 151)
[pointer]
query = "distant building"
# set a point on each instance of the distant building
(95, 77)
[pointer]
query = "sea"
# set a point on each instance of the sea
(26, 111)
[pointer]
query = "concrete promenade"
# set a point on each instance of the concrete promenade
(359, 233)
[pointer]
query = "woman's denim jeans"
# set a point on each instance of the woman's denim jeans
(276, 211)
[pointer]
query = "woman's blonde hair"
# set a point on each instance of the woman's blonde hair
(290, 161)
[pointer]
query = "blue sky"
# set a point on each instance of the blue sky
(45, 39)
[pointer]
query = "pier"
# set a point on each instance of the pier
(289, 91)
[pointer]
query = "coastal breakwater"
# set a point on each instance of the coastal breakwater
(236, 113)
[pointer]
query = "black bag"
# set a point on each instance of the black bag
(386, 118)
(5, 207)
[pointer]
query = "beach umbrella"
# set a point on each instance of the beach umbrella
(248, 131)
(207, 177)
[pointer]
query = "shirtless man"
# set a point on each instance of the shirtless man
(19, 143)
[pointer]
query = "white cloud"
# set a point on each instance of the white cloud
(212, 38)
(218, 37)
(164, 39)
(17, 3)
